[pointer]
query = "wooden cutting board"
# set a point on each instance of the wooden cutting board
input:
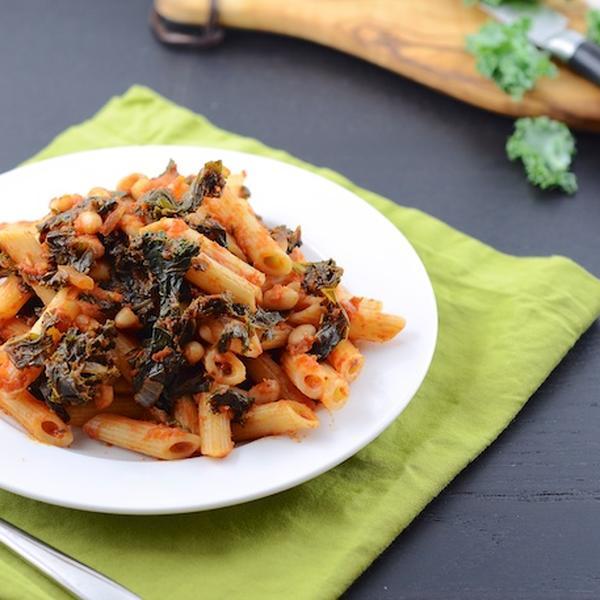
(420, 39)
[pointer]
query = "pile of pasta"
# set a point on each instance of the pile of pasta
(167, 318)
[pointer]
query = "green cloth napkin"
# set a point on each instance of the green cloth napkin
(505, 323)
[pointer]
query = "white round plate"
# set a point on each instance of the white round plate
(379, 263)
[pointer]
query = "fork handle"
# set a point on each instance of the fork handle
(83, 582)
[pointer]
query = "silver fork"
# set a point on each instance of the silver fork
(83, 582)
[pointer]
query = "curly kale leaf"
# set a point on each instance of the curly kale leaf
(65, 249)
(161, 358)
(505, 55)
(161, 203)
(319, 277)
(282, 234)
(265, 319)
(130, 277)
(190, 380)
(592, 19)
(235, 401)
(81, 363)
(234, 330)
(332, 330)
(215, 306)
(209, 228)
(210, 181)
(30, 349)
(546, 148)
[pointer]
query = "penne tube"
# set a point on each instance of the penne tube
(229, 260)
(234, 248)
(252, 236)
(347, 360)
(123, 405)
(277, 337)
(186, 414)
(336, 390)
(13, 379)
(265, 368)
(370, 304)
(305, 373)
(311, 315)
(280, 297)
(152, 439)
(275, 418)
(36, 418)
(21, 243)
(374, 326)
(13, 296)
(214, 278)
(225, 368)
(12, 328)
(267, 390)
(214, 428)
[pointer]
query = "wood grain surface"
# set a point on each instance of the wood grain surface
(420, 39)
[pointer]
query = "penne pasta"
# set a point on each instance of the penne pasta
(267, 390)
(275, 418)
(252, 236)
(13, 295)
(336, 389)
(276, 337)
(374, 326)
(311, 315)
(156, 440)
(186, 414)
(214, 429)
(347, 360)
(265, 368)
(305, 373)
(36, 418)
(13, 327)
(212, 277)
(123, 405)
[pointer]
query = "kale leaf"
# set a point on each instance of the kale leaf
(293, 238)
(234, 330)
(546, 148)
(161, 358)
(130, 277)
(235, 401)
(319, 276)
(209, 228)
(82, 361)
(214, 306)
(332, 330)
(30, 349)
(592, 19)
(65, 249)
(506, 56)
(160, 203)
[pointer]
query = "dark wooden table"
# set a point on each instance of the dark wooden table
(524, 520)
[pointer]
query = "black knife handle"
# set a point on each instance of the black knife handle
(586, 61)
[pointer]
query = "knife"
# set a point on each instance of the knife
(549, 31)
